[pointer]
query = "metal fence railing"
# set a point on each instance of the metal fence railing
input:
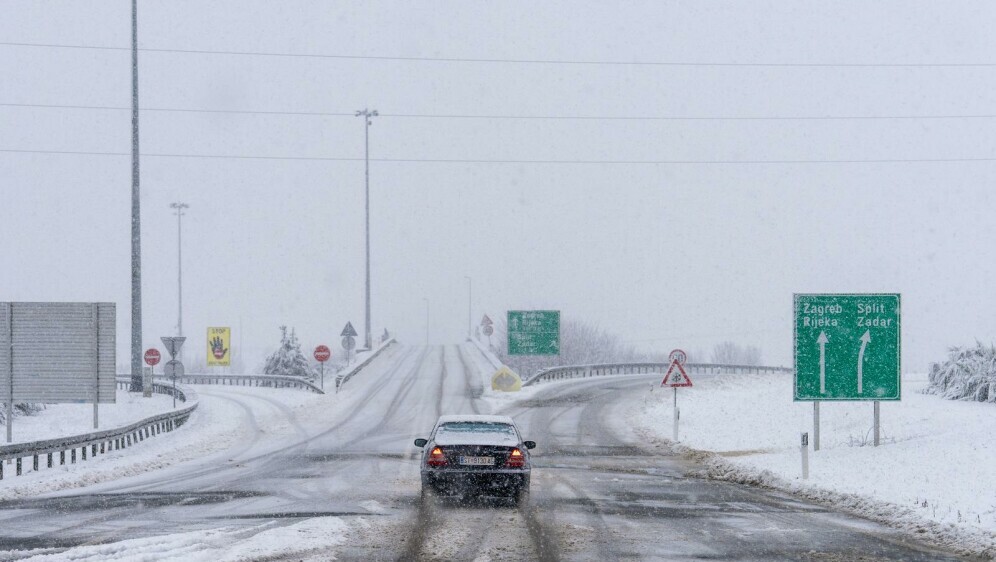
(97, 442)
(344, 378)
(270, 381)
(584, 371)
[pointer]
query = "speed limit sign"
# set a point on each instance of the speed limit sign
(678, 356)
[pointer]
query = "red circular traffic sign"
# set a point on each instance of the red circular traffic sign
(678, 356)
(322, 353)
(152, 357)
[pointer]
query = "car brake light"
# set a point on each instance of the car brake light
(436, 458)
(516, 459)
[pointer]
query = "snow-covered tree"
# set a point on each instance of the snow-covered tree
(288, 359)
(968, 374)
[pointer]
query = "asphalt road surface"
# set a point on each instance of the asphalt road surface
(597, 494)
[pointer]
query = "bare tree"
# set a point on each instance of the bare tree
(581, 343)
(729, 353)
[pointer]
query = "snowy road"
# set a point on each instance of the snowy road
(339, 477)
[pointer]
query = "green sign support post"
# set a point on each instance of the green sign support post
(534, 332)
(847, 348)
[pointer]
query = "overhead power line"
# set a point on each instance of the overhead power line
(511, 161)
(515, 60)
(518, 117)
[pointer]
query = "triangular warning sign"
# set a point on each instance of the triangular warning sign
(676, 376)
(349, 330)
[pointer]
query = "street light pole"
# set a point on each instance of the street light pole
(470, 300)
(179, 207)
(136, 218)
(367, 121)
(426, 320)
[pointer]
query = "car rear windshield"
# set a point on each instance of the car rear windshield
(476, 427)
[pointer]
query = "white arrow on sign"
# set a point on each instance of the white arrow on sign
(861, 357)
(823, 340)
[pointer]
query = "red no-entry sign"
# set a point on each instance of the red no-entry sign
(322, 353)
(152, 357)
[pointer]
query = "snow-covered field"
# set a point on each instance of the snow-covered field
(934, 473)
(62, 420)
(218, 422)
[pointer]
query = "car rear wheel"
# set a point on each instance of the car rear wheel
(521, 497)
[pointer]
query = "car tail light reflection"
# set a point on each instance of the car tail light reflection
(516, 459)
(436, 458)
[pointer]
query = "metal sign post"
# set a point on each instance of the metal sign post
(677, 416)
(173, 369)
(876, 422)
(152, 358)
(675, 377)
(322, 354)
(816, 426)
(348, 343)
(487, 329)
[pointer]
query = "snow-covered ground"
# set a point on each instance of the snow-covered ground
(63, 420)
(934, 473)
(262, 542)
(218, 422)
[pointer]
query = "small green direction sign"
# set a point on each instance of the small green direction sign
(533, 332)
(847, 347)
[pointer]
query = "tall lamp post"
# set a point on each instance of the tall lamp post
(367, 121)
(136, 218)
(178, 208)
(470, 300)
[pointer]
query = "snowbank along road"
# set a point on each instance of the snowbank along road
(340, 478)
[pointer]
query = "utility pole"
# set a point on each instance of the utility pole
(367, 121)
(136, 217)
(470, 300)
(179, 207)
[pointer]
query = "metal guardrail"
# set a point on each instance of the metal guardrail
(98, 442)
(488, 355)
(270, 381)
(584, 371)
(343, 379)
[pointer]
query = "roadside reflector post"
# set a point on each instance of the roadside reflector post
(816, 426)
(876, 422)
(804, 447)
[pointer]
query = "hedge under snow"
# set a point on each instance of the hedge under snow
(968, 374)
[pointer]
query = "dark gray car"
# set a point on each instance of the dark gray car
(476, 455)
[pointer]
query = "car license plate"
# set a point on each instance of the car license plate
(477, 461)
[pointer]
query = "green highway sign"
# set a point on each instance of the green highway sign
(847, 347)
(534, 332)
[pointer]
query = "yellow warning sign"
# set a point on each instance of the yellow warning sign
(506, 380)
(219, 347)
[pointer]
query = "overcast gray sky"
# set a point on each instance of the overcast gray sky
(664, 254)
